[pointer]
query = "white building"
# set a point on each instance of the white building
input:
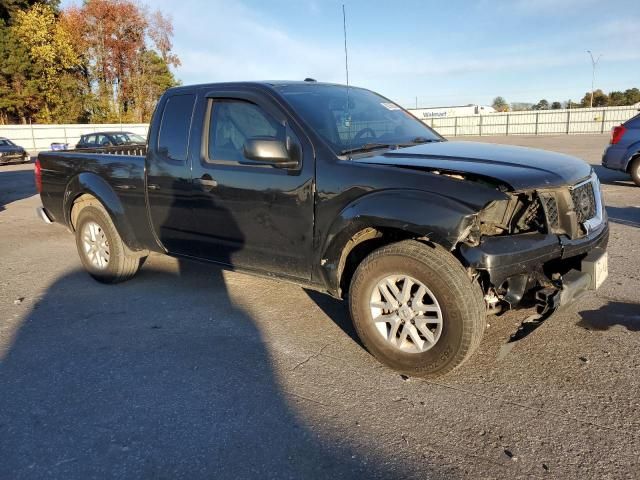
(455, 111)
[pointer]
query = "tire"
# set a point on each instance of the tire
(118, 263)
(634, 169)
(456, 300)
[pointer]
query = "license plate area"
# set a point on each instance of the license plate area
(596, 263)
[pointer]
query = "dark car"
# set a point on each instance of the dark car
(340, 190)
(108, 139)
(10, 152)
(623, 151)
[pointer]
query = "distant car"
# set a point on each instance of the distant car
(107, 139)
(623, 152)
(10, 152)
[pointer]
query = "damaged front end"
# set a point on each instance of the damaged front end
(543, 247)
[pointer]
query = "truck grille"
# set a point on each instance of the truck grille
(550, 206)
(584, 201)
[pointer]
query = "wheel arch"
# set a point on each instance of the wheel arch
(631, 154)
(632, 158)
(91, 185)
(387, 217)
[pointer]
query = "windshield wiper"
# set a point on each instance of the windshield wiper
(419, 140)
(367, 147)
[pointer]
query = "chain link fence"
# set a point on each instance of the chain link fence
(541, 122)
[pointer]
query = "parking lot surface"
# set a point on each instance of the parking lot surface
(187, 371)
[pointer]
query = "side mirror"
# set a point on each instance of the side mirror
(268, 150)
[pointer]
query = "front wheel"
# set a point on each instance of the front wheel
(635, 171)
(101, 250)
(415, 308)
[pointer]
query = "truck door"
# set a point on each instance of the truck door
(252, 214)
(169, 188)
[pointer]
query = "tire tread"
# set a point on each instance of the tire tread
(469, 295)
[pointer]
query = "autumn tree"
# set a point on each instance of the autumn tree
(51, 55)
(118, 59)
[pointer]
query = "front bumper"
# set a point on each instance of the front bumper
(504, 257)
(558, 267)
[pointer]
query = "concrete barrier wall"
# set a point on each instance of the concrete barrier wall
(541, 122)
(35, 138)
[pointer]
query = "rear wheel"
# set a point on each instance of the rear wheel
(101, 250)
(635, 171)
(415, 308)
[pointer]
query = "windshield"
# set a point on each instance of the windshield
(127, 138)
(367, 121)
(5, 142)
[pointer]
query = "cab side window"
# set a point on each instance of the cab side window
(232, 123)
(102, 141)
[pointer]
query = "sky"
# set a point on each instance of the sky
(441, 53)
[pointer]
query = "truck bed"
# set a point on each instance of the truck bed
(66, 173)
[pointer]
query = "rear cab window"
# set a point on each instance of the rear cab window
(173, 137)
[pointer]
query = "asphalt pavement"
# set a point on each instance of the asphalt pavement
(187, 371)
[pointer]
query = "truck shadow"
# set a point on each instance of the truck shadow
(160, 377)
(337, 311)
(15, 185)
(624, 314)
(164, 376)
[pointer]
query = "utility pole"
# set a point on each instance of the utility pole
(593, 72)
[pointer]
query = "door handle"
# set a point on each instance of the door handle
(206, 182)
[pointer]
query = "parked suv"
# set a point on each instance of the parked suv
(108, 139)
(623, 152)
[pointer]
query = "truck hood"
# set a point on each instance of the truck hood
(519, 167)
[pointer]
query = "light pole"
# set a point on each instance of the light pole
(593, 72)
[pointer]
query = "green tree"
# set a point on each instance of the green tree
(632, 95)
(541, 105)
(8, 8)
(556, 106)
(152, 77)
(617, 98)
(600, 99)
(500, 104)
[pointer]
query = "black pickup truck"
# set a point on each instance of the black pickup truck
(340, 190)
